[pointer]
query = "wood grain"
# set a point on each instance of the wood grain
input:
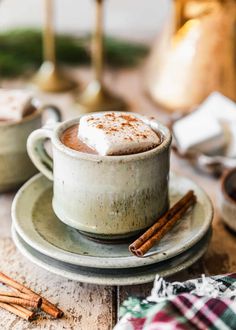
(84, 305)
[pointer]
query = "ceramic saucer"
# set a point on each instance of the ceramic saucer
(124, 276)
(39, 227)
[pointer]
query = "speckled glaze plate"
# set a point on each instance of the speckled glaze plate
(37, 224)
(126, 276)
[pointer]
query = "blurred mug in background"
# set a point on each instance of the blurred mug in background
(15, 164)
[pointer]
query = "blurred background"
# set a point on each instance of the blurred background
(135, 19)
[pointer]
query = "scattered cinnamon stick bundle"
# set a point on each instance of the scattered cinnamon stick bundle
(16, 301)
(17, 294)
(163, 225)
(19, 311)
(20, 301)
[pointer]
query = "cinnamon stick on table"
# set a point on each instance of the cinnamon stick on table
(22, 295)
(25, 310)
(46, 306)
(20, 301)
(155, 233)
(22, 312)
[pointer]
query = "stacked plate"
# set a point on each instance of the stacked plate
(60, 249)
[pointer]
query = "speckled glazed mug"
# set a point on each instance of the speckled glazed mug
(105, 197)
(15, 164)
(226, 198)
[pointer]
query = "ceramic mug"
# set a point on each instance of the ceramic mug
(15, 164)
(104, 197)
(227, 198)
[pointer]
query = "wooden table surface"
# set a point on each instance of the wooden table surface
(96, 307)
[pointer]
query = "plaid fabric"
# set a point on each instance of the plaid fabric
(205, 303)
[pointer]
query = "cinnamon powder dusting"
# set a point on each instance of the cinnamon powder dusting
(112, 134)
(126, 124)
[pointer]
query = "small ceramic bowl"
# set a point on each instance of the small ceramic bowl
(228, 199)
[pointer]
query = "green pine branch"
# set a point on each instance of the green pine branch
(21, 51)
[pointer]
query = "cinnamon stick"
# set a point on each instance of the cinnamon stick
(20, 301)
(23, 309)
(161, 222)
(23, 313)
(51, 309)
(158, 235)
(46, 306)
(18, 294)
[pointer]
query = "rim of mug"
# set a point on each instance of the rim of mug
(165, 144)
(225, 178)
(36, 113)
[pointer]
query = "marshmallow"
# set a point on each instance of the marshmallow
(198, 131)
(230, 129)
(209, 128)
(220, 107)
(14, 104)
(116, 133)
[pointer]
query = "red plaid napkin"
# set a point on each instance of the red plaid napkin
(206, 303)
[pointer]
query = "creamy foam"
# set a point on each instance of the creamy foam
(116, 133)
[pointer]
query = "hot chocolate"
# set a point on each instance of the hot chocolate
(70, 139)
(110, 134)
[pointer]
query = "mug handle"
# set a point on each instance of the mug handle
(36, 140)
(53, 114)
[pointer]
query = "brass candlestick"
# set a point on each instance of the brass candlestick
(96, 96)
(49, 77)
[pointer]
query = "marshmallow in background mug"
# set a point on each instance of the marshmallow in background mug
(14, 104)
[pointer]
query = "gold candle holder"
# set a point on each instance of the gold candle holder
(49, 77)
(96, 96)
(194, 56)
(179, 8)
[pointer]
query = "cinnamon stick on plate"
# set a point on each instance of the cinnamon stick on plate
(155, 233)
(46, 306)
